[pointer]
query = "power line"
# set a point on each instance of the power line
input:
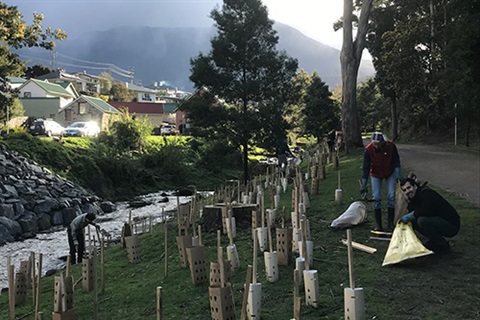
(107, 68)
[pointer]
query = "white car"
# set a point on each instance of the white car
(82, 129)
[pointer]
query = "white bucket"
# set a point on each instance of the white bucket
(262, 236)
(246, 199)
(254, 301)
(310, 279)
(232, 256)
(354, 303)
(271, 266)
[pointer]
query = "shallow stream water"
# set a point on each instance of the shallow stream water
(54, 245)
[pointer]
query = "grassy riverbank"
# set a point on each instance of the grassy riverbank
(429, 288)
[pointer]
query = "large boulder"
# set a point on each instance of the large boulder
(28, 222)
(6, 210)
(12, 226)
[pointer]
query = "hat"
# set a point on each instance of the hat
(90, 216)
(377, 136)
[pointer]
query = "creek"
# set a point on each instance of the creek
(54, 245)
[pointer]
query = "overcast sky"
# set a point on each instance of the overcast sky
(314, 18)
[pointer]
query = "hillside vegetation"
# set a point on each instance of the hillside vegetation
(428, 288)
(112, 171)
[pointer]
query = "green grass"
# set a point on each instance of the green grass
(428, 288)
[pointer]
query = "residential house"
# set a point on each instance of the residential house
(143, 94)
(15, 82)
(153, 111)
(84, 82)
(86, 108)
(89, 83)
(42, 99)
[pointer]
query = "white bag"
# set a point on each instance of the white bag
(354, 215)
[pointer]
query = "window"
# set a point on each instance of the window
(82, 108)
(27, 94)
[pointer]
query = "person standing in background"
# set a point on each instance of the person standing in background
(76, 235)
(381, 161)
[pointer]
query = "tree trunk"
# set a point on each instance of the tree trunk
(245, 162)
(350, 58)
(394, 118)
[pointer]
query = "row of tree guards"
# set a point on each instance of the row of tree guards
(293, 244)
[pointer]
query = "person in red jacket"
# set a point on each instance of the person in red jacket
(381, 162)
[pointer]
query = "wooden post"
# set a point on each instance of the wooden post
(102, 263)
(243, 313)
(296, 294)
(32, 264)
(159, 303)
(165, 230)
(39, 286)
(11, 290)
(350, 256)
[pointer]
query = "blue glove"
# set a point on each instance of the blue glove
(407, 218)
(398, 173)
(363, 189)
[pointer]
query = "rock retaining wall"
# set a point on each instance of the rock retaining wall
(32, 199)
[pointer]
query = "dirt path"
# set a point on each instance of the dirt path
(454, 171)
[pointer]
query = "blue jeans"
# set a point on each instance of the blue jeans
(377, 191)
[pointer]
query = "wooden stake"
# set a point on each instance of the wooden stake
(165, 230)
(102, 264)
(255, 258)
(243, 313)
(159, 303)
(230, 226)
(360, 246)
(200, 235)
(339, 185)
(270, 242)
(39, 285)
(178, 215)
(350, 257)
(304, 242)
(296, 294)
(11, 289)
(220, 264)
(32, 264)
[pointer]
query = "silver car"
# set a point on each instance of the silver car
(82, 129)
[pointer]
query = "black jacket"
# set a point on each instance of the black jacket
(428, 203)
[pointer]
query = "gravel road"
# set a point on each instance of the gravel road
(452, 170)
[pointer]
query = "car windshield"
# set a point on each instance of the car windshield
(77, 125)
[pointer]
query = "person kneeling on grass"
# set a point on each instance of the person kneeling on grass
(431, 215)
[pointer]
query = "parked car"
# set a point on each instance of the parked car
(41, 127)
(82, 129)
(168, 129)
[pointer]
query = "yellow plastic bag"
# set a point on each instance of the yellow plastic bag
(404, 245)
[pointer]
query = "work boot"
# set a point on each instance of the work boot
(378, 220)
(391, 216)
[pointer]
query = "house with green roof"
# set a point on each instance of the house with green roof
(42, 99)
(86, 108)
